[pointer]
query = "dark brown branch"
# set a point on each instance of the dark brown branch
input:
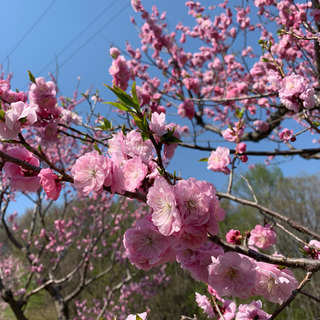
(16, 306)
(306, 153)
(297, 263)
(294, 224)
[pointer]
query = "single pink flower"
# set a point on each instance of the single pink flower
(232, 274)
(263, 237)
(157, 124)
(314, 253)
(161, 198)
(50, 184)
(134, 173)
(274, 284)
(234, 236)
(186, 109)
(146, 247)
(90, 172)
(219, 160)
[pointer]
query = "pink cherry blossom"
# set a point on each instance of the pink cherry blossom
(157, 124)
(50, 184)
(314, 253)
(261, 125)
(232, 274)
(161, 198)
(205, 304)
(146, 247)
(134, 173)
(18, 116)
(219, 160)
(197, 261)
(120, 72)
(274, 284)
(263, 237)
(252, 311)
(241, 147)
(234, 236)
(186, 109)
(235, 133)
(22, 179)
(286, 135)
(43, 94)
(90, 172)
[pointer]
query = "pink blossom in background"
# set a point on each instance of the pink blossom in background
(137, 7)
(161, 198)
(120, 72)
(293, 87)
(43, 94)
(252, 311)
(260, 125)
(50, 184)
(70, 117)
(274, 284)
(146, 247)
(232, 274)
(114, 52)
(186, 109)
(90, 172)
(205, 304)
(219, 160)
(314, 253)
(22, 179)
(286, 135)
(263, 237)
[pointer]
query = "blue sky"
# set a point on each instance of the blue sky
(71, 38)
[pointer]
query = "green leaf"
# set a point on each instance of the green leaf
(144, 136)
(123, 97)
(2, 114)
(172, 139)
(31, 77)
(281, 267)
(23, 120)
(105, 124)
(123, 129)
(141, 123)
(239, 113)
(135, 96)
(265, 60)
(120, 106)
(204, 159)
(316, 123)
(95, 147)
